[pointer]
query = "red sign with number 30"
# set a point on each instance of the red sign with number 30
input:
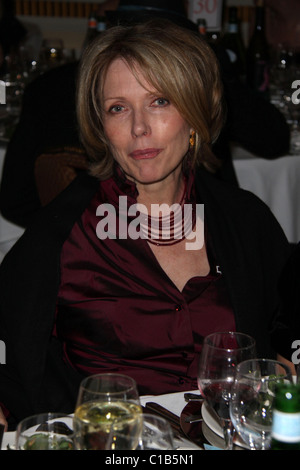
(210, 10)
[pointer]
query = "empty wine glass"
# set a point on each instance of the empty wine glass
(221, 352)
(252, 398)
(155, 434)
(102, 400)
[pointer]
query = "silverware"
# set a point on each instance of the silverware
(191, 423)
(188, 396)
(168, 415)
(193, 419)
(164, 411)
(173, 419)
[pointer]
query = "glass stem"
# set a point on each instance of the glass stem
(228, 434)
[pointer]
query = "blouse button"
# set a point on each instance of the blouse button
(178, 308)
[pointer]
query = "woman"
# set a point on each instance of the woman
(89, 286)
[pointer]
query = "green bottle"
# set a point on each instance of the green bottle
(286, 418)
(258, 54)
(233, 43)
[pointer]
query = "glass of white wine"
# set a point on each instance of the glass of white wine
(105, 399)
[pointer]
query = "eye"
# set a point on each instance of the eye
(115, 109)
(161, 102)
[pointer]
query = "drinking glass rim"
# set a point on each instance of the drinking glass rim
(288, 374)
(83, 384)
(232, 333)
(43, 418)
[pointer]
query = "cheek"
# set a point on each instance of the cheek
(115, 137)
(109, 130)
(179, 137)
(176, 128)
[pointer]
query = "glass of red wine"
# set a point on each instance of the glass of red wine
(221, 353)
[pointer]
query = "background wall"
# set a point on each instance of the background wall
(67, 19)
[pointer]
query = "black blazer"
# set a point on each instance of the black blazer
(249, 244)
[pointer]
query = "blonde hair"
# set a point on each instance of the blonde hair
(175, 61)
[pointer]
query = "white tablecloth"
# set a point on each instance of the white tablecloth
(277, 183)
(9, 232)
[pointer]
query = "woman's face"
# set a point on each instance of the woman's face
(147, 135)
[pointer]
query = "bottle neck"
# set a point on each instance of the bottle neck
(233, 26)
(202, 27)
(259, 18)
(92, 22)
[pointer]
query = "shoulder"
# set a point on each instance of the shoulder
(238, 208)
(225, 193)
(52, 224)
(71, 202)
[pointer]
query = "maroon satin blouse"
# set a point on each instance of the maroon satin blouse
(118, 311)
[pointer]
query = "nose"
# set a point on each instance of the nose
(140, 124)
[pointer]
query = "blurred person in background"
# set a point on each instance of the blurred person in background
(12, 31)
(283, 23)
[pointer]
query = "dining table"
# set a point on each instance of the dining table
(170, 406)
(202, 430)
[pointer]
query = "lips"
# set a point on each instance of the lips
(142, 154)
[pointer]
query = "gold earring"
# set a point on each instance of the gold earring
(192, 139)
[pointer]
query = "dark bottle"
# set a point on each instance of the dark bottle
(258, 54)
(202, 27)
(233, 43)
(91, 33)
(286, 418)
(101, 25)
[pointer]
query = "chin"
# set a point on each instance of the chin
(147, 177)
(150, 180)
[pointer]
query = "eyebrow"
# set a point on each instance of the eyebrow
(114, 98)
(152, 94)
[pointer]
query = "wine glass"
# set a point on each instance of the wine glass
(252, 398)
(102, 400)
(45, 431)
(156, 434)
(221, 352)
